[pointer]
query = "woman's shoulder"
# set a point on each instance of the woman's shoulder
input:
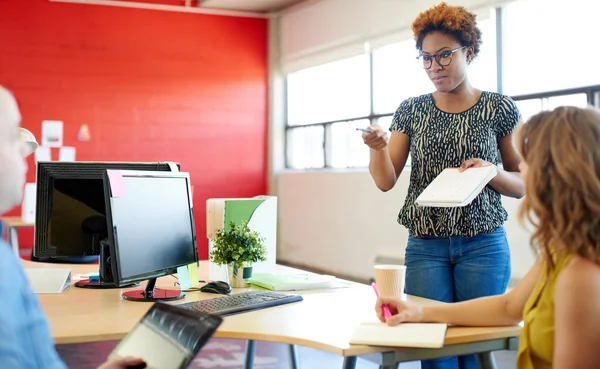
(497, 99)
(581, 275)
(416, 100)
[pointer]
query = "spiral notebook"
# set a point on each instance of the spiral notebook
(452, 188)
(418, 335)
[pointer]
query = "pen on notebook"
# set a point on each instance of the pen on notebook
(364, 130)
(384, 308)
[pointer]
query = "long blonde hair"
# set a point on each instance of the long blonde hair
(562, 151)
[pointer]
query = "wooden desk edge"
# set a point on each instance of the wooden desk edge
(503, 333)
(15, 222)
(352, 350)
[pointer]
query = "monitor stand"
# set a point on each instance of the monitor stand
(104, 279)
(150, 294)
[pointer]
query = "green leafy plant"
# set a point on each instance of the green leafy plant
(238, 246)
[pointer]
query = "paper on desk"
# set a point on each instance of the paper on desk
(48, 280)
(422, 335)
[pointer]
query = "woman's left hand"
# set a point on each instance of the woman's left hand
(473, 163)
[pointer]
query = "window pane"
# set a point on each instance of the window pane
(305, 147)
(483, 72)
(531, 107)
(579, 100)
(541, 56)
(347, 147)
(385, 123)
(528, 108)
(328, 92)
(397, 76)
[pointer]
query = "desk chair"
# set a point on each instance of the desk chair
(251, 350)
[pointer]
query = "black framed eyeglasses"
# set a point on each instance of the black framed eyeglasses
(443, 58)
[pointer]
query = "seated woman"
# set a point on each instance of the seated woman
(559, 299)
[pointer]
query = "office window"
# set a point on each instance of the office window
(483, 71)
(333, 91)
(305, 147)
(530, 107)
(397, 76)
(579, 100)
(549, 49)
(346, 146)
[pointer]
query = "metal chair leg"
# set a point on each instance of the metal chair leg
(486, 360)
(294, 358)
(250, 351)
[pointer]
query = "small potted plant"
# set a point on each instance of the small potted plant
(238, 248)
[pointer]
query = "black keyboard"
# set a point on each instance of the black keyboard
(241, 302)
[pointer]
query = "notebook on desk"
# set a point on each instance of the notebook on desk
(292, 281)
(419, 335)
(452, 188)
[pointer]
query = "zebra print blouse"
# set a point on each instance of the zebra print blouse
(439, 140)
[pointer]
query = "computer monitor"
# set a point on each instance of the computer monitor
(151, 229)
(71, 212)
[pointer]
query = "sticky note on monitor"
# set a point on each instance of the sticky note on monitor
(115, 179)
(193, 273)
(188, 276)
(184, 278)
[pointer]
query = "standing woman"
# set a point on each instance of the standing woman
(453, 254)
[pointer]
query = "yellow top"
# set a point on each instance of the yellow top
(536, 345)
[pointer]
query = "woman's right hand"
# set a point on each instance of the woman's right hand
(402, 311)
(377, 139)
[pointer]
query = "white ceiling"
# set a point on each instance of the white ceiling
(259, 6)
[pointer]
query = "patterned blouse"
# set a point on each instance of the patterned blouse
(439, 140)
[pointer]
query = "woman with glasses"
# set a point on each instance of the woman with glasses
(453, 254)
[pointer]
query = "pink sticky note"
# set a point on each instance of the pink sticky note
(115, 179)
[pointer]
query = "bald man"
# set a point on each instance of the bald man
(25, 341)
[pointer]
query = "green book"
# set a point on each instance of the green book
(292, 282)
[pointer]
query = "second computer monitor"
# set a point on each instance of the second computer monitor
(151, 229)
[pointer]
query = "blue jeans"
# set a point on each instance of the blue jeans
(453, 269)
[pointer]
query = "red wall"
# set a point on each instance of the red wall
(151, 86)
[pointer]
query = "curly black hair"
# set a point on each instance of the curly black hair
(455, 21)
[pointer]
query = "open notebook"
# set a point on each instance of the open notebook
(452, 188)
(420, 335)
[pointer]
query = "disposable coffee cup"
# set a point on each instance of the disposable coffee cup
(390, 280)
